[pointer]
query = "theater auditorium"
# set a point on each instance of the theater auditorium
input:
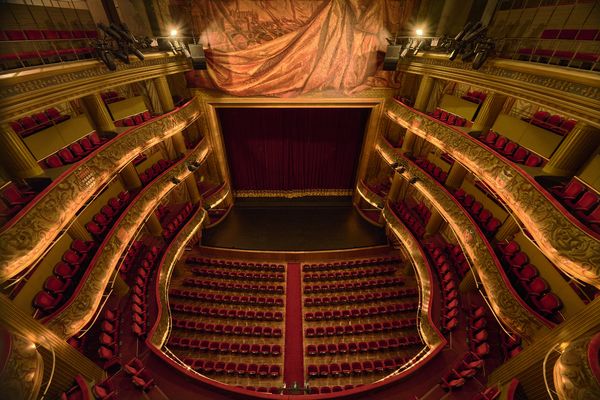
(300, 199)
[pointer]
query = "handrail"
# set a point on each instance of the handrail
(569, 244)
(370, 197)
(505, 301)
(80, 308)
(24, 240)
(218, 195)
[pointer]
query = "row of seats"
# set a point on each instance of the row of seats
(228, 313)
(332, 349)
(461, 265)
(108, 338)
(361, 312)
(345, 275)
(584, 56)
(140, 158)
(510, 149)
(409, 218)
(360, 263)
(465, 369)
(134, 120)
(359, 329)
(59, 286)
(140, 376)
(354, 286)
(78, 391)
(432, 169)
(220, 329)
(233, 264)
(355, 368)
(380, 188)
(111, 97)
(155, 170)
(15, 198)
(48, 55)
(555, 123)
(173, 226)
(139, 307)
(130, 258)
(474, 96)
(103, 220)
(511, 345)
(237, 287)
(232, 368)
(226, 347)
(220, 298)
(448, 117)
(46, 34)
(482, 216)
(360, 298)
(75, 151)
(582, 201)
(238, 276)
(29, 125)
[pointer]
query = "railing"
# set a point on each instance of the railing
(504, 300)
(569, 244)
(24, 239)
(370, 197)
(80, 308)
(217, 196)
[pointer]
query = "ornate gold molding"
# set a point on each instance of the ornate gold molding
(22, 374)
(217, 196)
(506, 303)
(76, 313)
(571, 91)
(429, 332)
(162, 327)
(22, 242)
(23, 92)
(573, 375)
(560, 236)
(370, 197)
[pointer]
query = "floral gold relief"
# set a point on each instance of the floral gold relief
(576, 370)
(22, 374)
(561, 237)
(26, 239)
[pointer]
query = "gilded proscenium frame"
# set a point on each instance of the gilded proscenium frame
(162, 327)
(80, 309)
(507, 305)
(429, 332)
(26, 238)
(373, 98)
(25, 92)
(565, 90)
(559, 235)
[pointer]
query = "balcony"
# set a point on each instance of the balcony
(30, 233)
(505, 301)
(568, 244)
(80, 309)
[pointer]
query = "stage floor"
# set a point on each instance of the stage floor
(306, 224)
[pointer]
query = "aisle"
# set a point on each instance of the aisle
(293, 365)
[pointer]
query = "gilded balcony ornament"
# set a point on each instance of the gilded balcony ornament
(23, 367)
(217, 197)
(506, 303)
(429, 332)
(26, 238)
(162, 327)
(560, 236)
(80, 309)
(577, 370)
(370, 197)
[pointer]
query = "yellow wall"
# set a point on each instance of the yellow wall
(488, 203)
(458, 106)
(591, 172)
(539, 140)
(54, 138)
(127, 107)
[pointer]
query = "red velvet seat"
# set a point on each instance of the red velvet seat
(571, 191)
(65, 271)
(533, 160)
(547, 304)
(104, 390)
(586, 202)
(67, 157)
(143, 380)
(537, 287)
(520, 155)
(56, 286)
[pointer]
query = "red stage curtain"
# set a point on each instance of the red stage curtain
(295, 149)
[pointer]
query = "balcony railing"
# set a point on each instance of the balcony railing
(370, 197)
(80, 309)
(29, 234)
(569, 244)
(505, 301)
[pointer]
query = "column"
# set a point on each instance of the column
(468, 283)
(395, 188)
(164, 93)
(153, 225)
(434, 223)
(574, 151)
(78, 231)
(129, 176)
(190, 181)
(508, 229)
(488, 112)
(17, 160)
(425, 89)
(456, 175)
(98, 113)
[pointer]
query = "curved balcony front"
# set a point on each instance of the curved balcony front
(82, 306)
(570, 245)
(505, 301)
(29, 234)
(370, 197)
(217, 196)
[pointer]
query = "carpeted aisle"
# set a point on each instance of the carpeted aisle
(293, 364)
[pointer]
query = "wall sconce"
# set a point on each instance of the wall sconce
(394, 165)
(401, 169)
(413, 180)
(175, 181)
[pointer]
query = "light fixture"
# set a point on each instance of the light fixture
(413, 180)
(419, 32)
(175, 181)
(173, 33)
(395, 165)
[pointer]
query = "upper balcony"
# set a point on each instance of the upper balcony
(569, 244)
(25, 238)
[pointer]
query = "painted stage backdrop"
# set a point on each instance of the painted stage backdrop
(289, 47)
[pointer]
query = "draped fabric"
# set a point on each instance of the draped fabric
(293, 151)
(286, 48)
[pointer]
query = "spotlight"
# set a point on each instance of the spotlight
(395, 165)
(419, 32)
(401, 170)
(175, 181)
(413, 180)
(173, 33)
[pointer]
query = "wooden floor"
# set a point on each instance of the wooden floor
(305, 224)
